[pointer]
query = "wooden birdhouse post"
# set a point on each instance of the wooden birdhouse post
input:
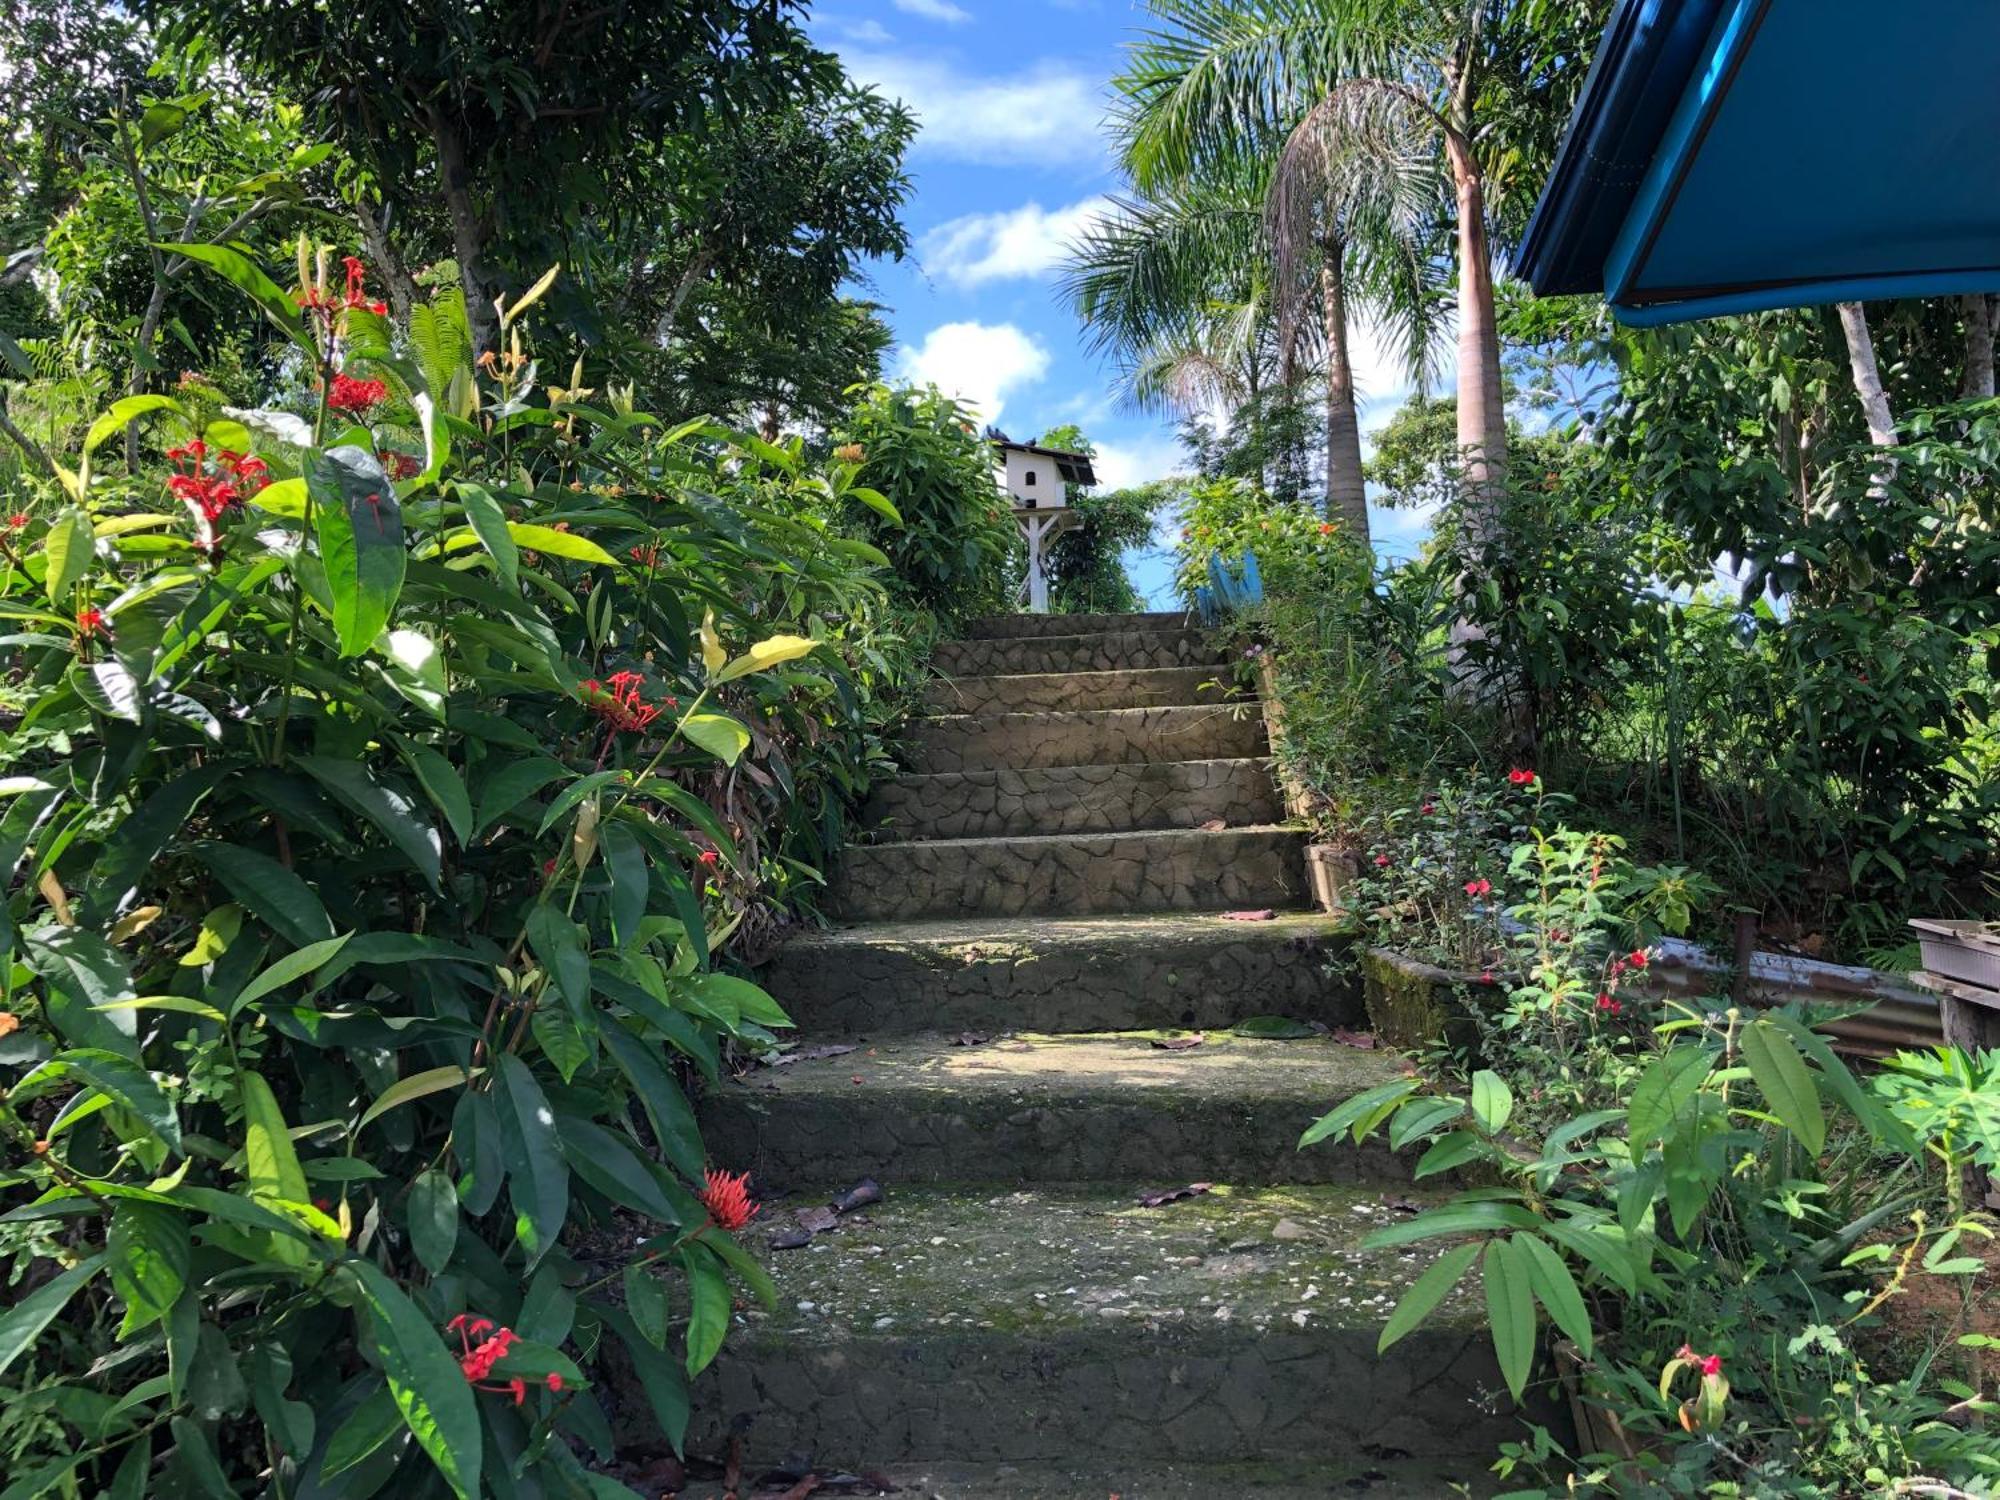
(1037, 483)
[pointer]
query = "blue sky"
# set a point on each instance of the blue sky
(1010, 161)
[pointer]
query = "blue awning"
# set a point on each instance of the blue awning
(1729, 156)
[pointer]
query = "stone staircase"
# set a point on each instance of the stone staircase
(1042, 907)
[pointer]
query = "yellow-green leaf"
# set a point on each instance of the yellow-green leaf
(531, 296)
(557, 543)
(712, 654)
(771, 652)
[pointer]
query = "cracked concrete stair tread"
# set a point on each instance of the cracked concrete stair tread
(1018, 627)
(1175, 834)
(1040, 738)
(1043, 692)
(976, 1322)
(1133, 797)
(1152, 1479)
(1032, 936)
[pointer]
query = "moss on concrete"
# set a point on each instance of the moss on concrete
(1415, 1004)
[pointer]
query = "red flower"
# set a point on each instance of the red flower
(400, 465)
(727, 1199)
(90, 621)
(1637, 958)
(1428, 808)
(354, 294)
(1608, 1005)
(1478, 888)
(555, 1381)
(520, 1389)
(1521, 777)
(357, 396)
(1381, 861)
(482, 1346)
(1325, 527)
(1708, 1364)
(710, 858)
(1485, 976)
(18, 521)
(618, 703)
(1712, 1365)
(647, 556)
(548, 868)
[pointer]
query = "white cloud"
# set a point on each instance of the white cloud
(979, 363)
(1025, 241)
(933, 10)
(1120, 466)
(868, 32)
(1043, 113)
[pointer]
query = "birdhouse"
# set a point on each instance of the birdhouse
(1037, 478)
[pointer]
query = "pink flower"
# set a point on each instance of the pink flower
(1478, 888)
(1381, 861)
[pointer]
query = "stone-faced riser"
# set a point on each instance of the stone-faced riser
(1074, 799)
(1046, 692)
(1117, 736)
(1074, 875)
(1017, 627)
(1127, 650)
(1192, 971)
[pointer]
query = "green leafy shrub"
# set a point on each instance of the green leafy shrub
(389, 783)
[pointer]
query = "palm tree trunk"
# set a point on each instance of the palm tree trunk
(1482, 415)
(1978, 314)
(1346, 491)
(1868, 386)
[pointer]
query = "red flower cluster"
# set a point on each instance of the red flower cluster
(1478, 888)
(618, 704)
(90, 622)
(1708, 1364)
(647, 556)
(1520, 778)
(710, 858)
(358, 396)
(1608, 1005)
(1381, 861)
(211, 489)
(355, 294)
(1325, 527)
(18, 521)
(727, 1199)
(398, 466)
(482, 1345)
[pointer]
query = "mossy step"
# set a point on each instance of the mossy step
(1075, 799)
(1033, 1107)
(1103, 652)
(980, 1324)
(1085, 737)
(1014, 627)
(1151, 1479)
(1074, 874)
(1041, 692)
(1191, 969)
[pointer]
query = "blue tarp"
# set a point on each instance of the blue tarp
(1733, 155)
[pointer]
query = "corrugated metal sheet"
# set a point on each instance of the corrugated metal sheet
(1900, 1015)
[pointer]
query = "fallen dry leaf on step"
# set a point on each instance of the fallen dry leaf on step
(816, 1219)
(1179, 1043)
(812, 1054)
(791, 1239)
(1264, 915)
(972, 1039)
(863, 1193)
(1365, 1040)
(1213, 825)
(1173, 1195)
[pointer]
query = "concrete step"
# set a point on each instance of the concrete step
(1042, 1108)
(1144, 1479)
(1189, 969)
(1074, 874)
(1113, 736)
(1017, 627)
(1069, 1329)
(1045, 691)
(1075, 799)
(1105, 652)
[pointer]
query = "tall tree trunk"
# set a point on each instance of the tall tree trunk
(468, 234)
(388, 260)
(1346, 492)
(1482, 413)
(1978, 314)
(1868, 386)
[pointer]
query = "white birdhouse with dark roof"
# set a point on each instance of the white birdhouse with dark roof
(1036, 478)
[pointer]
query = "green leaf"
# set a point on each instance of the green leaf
(660, 1092)
(605, 1162)
(1510, 1311)
(128, 854)
(1665, 1088)
(558, 946)
(547, 539)
(1454, 1218)
(272, 893)
(444, 786)
(745, 1265)
(708, 1312)
(249, 278)
(659, 1377)
(387, 807)
(1555, 1288)
(1355, 1114)
(531, 296)
(149, 1253)
(512, 784)
(429, 1388)
(194, 1461)
(415, 668)
(537, 1178)
(367, 1428)
(1492, 1101)
(360, 527)
(69, 546)
(122, 414)
(561, 1041)
(131, 1085)
(433, 1219)
(770, 652)
(631, 880)
(718, 734)
(271, 1162)
(22, 1324)
(294, 965)
(1786, 1081)
(1426, 1292)
(416, 1086)
(742, 998)
(489, 524)
(646, 1299)
(1273, 1029)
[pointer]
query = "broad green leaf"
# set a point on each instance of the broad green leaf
(294, 965)
(718, 734)
(1786, 1082)
(646, 1299)
(415, 669)
(389, 808)
(270, 892)
(122, 414)
(742, 999)
(283, 497)
(367, 1428)
(22, 1324)
(708, 1311)
(272, 1165)
(416, 1086)
(131, 1085)
(429, 1388)
(567, 544)
(660, 1092)
(1510, 1312)
(661, 1378)
(1492, 1101)
(631, 881)
(69, 546)
(1555, 1288)
(606, 1163)
(512, 784)
(1665, 1088)
(149, 1253)
(561, 1041)
(128, 853)
(194, 1462)
(1426, 1292)
(1453, 1218)
(290, 1422)
(360, 527)
(433, 1219)
(444, 786)
(745, 1265)
(770, 652)
(557, 942)
(537, 1178)
(489, 524)
(1357, 1112)
(250, 279)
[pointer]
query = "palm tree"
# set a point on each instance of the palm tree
(1368, 81)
